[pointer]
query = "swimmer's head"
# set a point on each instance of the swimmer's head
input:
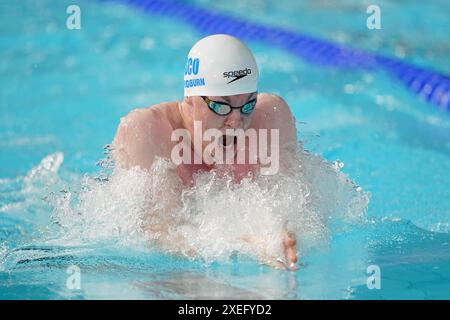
(220, 84)
(220, 65)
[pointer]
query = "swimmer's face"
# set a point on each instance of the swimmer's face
(234, 120)
(211, 120)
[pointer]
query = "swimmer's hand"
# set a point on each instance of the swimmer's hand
(289, 261)
(290, 251)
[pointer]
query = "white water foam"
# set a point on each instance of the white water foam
(214, 219)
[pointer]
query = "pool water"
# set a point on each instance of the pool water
(64, 91)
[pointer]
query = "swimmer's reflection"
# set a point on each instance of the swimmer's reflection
(195, 285)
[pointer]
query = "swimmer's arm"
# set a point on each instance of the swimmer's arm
(141, 136)
(276, 114)
(288, 154)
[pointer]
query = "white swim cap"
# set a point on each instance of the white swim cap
(220, 65)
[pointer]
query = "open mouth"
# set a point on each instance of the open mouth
(227, 141)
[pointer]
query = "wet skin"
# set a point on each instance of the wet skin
(145, 133)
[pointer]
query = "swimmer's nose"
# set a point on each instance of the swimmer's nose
(234, 119)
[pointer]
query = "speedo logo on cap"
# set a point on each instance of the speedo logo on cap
(237, 74)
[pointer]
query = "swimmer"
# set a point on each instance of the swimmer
(220, 92)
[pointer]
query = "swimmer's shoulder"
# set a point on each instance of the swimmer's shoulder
(143, 134)
(149, 123)
(271, 106)
(272, 112)
(158, 115)
(266, 100)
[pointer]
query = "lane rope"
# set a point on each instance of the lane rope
(429, 85)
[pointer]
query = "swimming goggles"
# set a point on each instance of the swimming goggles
(223, 109)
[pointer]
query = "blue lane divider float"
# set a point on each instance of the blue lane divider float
(429, 85)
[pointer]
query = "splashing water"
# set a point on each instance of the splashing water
(214, 220)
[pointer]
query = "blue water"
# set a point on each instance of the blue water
(64, 91)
